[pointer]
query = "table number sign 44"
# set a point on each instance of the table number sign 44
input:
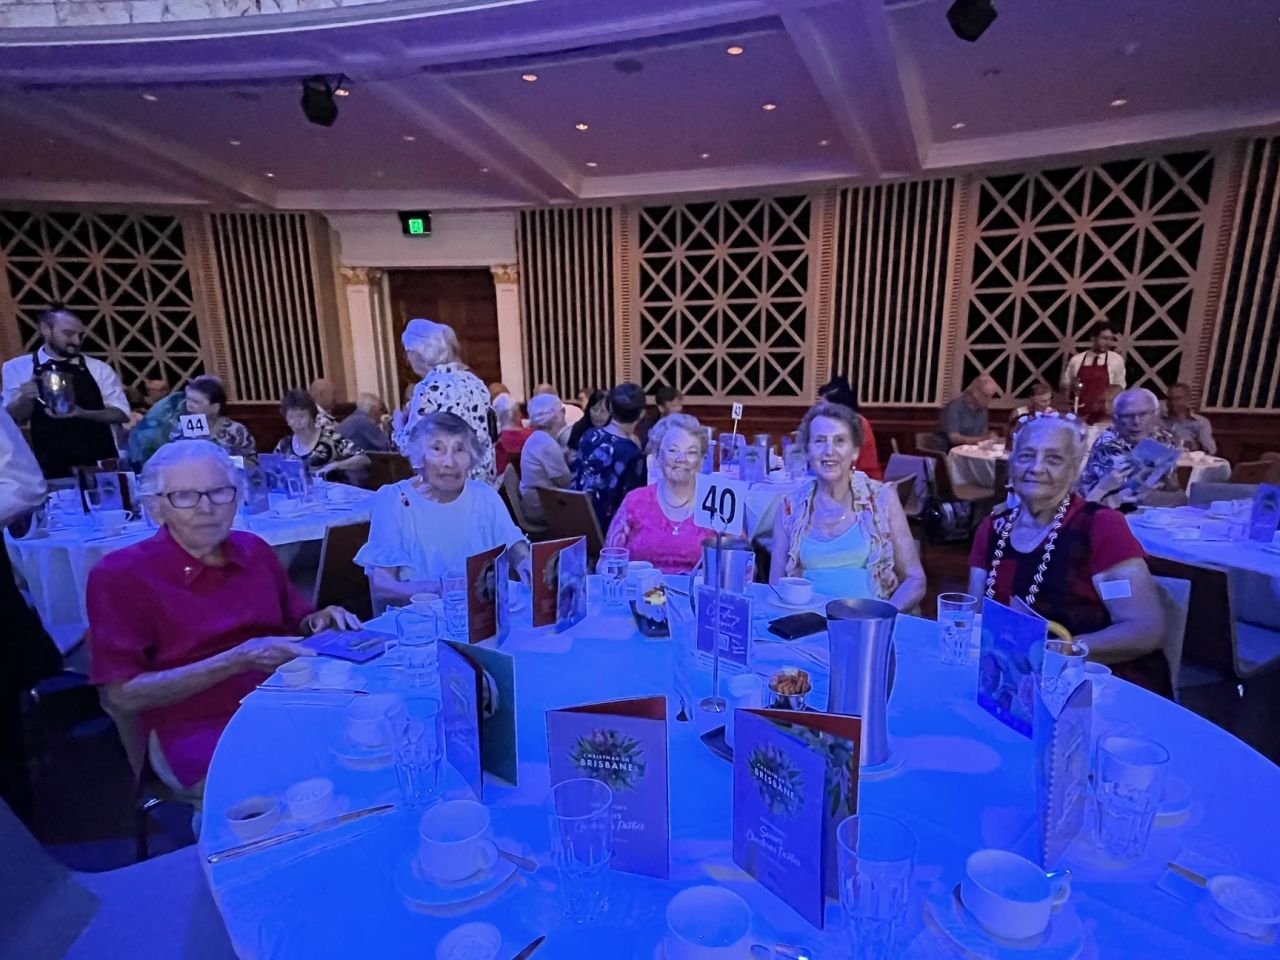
(194, 425)
(719, 503)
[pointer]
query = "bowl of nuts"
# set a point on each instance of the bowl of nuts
(788, 687)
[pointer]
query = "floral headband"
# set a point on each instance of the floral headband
(1049, 415)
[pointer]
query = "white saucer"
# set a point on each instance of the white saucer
(811, 603)
(339, 805)
(352, 754)
(650, 946)
(1175, 805)
(1242, 944)
(1063, 940)
(421, 894)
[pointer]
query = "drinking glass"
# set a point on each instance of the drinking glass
(955, 626)
(612, 567)
(1131, 775)
(418, 634)
(582, 844)
(1061, 671)
(416, 734)
(454, 587)
(796, 461)
(876, 859)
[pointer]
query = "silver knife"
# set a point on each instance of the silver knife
(527, 952)
(253, 846)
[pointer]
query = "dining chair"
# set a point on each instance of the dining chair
(901, 467)
(511, 494)
(569, 513)
(338, 580)
(157, 910)
(1175, 599)
(1255, 471)
(929, 441)
(947, 489)
(1203, 494)
(385, 468)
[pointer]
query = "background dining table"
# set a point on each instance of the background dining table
(974, 465)
(965, 782)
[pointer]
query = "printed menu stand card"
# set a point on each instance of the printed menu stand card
(1152, 461)
(1006, 679)
(795, 777)
(272, 465)
(1062, 772)
(1265, 518)
(623, 744)
(358, 646)
(560, 582)
(461, 684)
(494, 674)
(486, 594)
(258, 491)
(735, 630)
(297, 481)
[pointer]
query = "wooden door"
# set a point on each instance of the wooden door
(465, 300)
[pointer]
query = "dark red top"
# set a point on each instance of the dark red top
(510, 442)
(1093, 539)
(152, 606)
(868, 456)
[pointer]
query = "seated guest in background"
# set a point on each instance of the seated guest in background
(967, 418)
(326, 397)
(137, 408)
(1041, 402)
(1189, 429)
(597, 415)
(838, 390)
(610, 462)
(153, 391)
(655, 522)
(186, 623)
(364, 426)
(1102, 420)
(668, 400)
(845, 532)
(542, 462)
(512, 433)
(572, 412)
(1058, 552)
(422, 527)
(322, 448)
(447, 385)
(206, 395)
(1108, 477)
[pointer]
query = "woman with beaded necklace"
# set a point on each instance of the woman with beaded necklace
(1072, 562)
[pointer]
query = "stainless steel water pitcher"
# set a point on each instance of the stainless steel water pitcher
(739, 564)
(861, 636)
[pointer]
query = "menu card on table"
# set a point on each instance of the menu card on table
(258, 491)
(358, 646)
(487, 595)
(623, 744)
(560, 582)
(795, 777)
(1062, 771)
(1006, 678)
(493, 689)
(1265, 519)
(461, 685)
(735, 630)
(271, 465)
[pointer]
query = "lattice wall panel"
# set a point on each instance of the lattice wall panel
(125, 275)
(1244, 372)
(723, 297)
(893, 246)
(269, 301)
(1056, 249)
(567, 282)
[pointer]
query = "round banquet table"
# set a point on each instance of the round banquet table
(972, 465)
(56, 567)
(964, 784)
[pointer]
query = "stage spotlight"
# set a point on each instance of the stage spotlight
(317, 101)
(969, 19)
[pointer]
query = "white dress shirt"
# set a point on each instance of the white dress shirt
(21, 482)
(20, 369)
(1115, 368)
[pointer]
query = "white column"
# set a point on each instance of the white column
(363, 288)
(506, 287)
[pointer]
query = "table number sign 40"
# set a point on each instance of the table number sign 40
(719, 503)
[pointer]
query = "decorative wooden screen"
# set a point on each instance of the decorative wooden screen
(126, 275)
(1055, 249)
(1244, 372)
(721, 298)
(267, 281)
(893, 245)
(567, 282)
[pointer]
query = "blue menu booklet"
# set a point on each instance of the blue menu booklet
(1006, 677)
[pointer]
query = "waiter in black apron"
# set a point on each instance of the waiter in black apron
(69, 400)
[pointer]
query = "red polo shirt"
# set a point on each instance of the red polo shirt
(152, 606)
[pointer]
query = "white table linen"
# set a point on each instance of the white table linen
(973, 465)
(966, 783)
(1205, 469)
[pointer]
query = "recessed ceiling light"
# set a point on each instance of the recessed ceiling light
(234, 143)
(824, 143)
(150, 97)
(958, 125)
(768, 106)
(735, 51)
(592, 163)
(484, 169)
(269, 175)
(580, 126)
(408, 138)
(342, 92)
(1119, 102)
(704, 156)
(528, 77)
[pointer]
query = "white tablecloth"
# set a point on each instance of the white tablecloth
(1205, 469)
(973, 466)
(56, 568)
(1254, 569)
(966, 783)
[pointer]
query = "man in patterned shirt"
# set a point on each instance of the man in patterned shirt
(1107, 478)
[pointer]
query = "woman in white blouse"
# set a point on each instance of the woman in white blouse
(433, 352)
(421, 527)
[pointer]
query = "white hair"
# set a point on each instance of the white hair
(543, 408)
(507, 411)
(1137, 393)
(434, 343)
(186, 451)
(1076, 428)
(436, 423)
(676, 421)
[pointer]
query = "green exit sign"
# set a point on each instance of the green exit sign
(415, 223)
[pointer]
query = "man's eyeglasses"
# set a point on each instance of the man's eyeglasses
(188, 499)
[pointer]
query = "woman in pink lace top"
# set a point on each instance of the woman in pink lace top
(655, 523)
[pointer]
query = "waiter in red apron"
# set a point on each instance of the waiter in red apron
(69, 400)
(1089, 373)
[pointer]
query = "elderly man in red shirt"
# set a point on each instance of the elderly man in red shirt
(184, 624)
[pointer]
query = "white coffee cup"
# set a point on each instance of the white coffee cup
(425, 603)
(308, 799)
(636, 570)
(453, 841)
(111, 522)
(295, 673)
(706, 923)
(333, 673)
(743, 692)
(795, 590)
(1009, 895)
(365, 716)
